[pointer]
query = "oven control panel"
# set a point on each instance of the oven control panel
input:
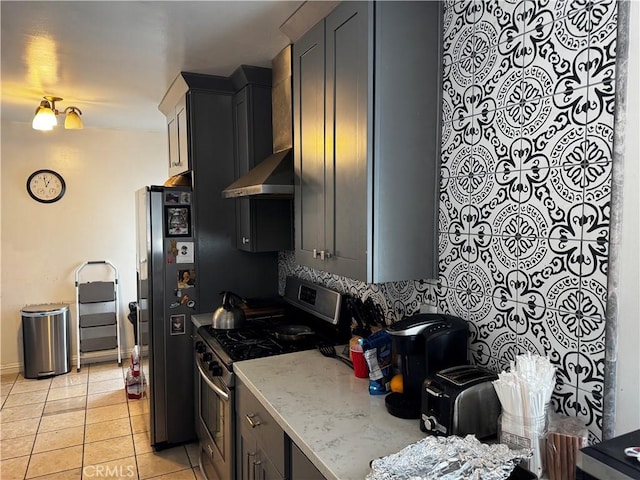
(307, 295)
(317, 300)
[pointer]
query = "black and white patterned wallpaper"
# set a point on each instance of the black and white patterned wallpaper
(527, 140)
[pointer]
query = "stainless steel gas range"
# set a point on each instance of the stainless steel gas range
(305, 304)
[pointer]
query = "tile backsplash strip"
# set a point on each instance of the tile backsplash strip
(527, 141)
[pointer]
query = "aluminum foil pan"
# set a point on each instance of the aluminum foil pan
(448, 458)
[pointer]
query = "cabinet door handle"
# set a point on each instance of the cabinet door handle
(245, 240)
(251, 418)
(256, 464)
(251, 472)
(324, 255)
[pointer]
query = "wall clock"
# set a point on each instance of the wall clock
(46, 186)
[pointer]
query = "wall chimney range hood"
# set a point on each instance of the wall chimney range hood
(273, 176)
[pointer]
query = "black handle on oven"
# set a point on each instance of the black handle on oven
(214, 387)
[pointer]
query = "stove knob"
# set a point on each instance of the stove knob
(215, 368)
(200, 348)
(207, 357)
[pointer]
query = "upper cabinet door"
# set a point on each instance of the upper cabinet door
(174, 149)
(367, 139)
(331, 92)
(261, 225)
(309, 152)
(347, 149)
(243, 154)
(178, 139)
(183, 134)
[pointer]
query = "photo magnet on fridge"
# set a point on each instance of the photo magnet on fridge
(178, 221)
(186, 278)
(177, 325)
(184, 252)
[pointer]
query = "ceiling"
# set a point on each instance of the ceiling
(116, 59)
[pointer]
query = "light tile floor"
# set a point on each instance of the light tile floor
(82, 426)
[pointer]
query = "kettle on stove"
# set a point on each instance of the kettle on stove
(228, 315)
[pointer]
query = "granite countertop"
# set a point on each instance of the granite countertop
(327, 411)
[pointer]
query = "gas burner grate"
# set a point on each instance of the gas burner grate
(257, 338)
(255, 342)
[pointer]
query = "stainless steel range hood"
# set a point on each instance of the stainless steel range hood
(273, 177)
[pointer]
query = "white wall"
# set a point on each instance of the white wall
(43, 244)
(628, 369)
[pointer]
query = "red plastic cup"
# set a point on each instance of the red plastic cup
(360, 368)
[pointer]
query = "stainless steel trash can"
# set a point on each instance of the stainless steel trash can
(46, 338)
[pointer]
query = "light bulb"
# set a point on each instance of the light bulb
(73, 120)
(45, 118)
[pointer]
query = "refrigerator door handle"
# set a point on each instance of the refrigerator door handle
(224, 395)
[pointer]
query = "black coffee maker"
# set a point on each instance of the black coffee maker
(424, 344)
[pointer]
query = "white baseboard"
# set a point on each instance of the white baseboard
(87, 358)
(11, 368)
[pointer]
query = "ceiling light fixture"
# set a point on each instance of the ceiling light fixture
(46, 112)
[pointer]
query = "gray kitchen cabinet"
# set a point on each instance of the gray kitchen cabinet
(260, 440)
(301, 466)
(210, 146)
(262, 225)
(185, 107)
(366, 141)
(178, 142)
(175, 117)
(308, 131)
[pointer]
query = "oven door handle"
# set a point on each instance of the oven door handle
(214, 387)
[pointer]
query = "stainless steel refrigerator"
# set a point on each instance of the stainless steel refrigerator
(167, 296)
